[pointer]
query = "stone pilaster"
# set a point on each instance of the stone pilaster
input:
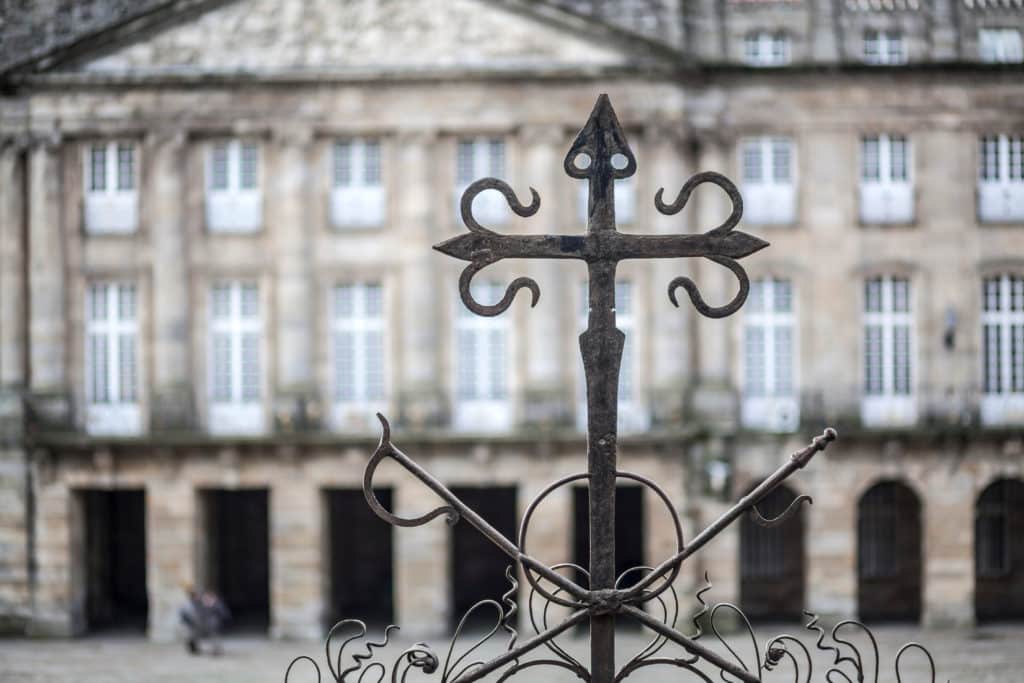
(948, 553)
(289, 229)
(422, 584)
(830, 544)
(671, 329)
(297, 568)
(48, 381)
(713, 398)
(172, 397)
(422, 401)
(170, 552)
(12, 284)
(548, 394)
(58, 607)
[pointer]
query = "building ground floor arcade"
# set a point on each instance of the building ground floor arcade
(900, 529)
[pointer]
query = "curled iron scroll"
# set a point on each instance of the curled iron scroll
(485, 258)
(734, 218)
(760, 520)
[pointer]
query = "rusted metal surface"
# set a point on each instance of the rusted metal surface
(601, 155)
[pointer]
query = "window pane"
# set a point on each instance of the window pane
(97, 302)
(869, 159)
(371, 160)
(467, 350)
(496, 365)
(1016, 161)
(374, 365)
(221, 366)
(752, 161)
(250, 300)
(128, 365)
(990, 294)
(126, 302)
(783, 360)
(219, 166)
(871, 49)
(249, 167)
(97, 351)
(97, 168)
(781, 160)
(782, 291)
(220, 305)
(344, 366)
(497, 157)
(901, 359)
(754, 355)
(752, 48)
(991, 361)
(900, 295)
(873, 359)
(374, 300)
(780, 49)
(894, 49)
(342, 164)
(464, 171)
(1017, 358)
(250, 366)
(873, 295)
(125, 167)
(898, 158)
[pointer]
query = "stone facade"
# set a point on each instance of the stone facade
(292, 78)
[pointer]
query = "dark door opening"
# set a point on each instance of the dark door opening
(889, 554)
(237, 561)
(772, 562)
(630, 531)
(115, 560)
(477, 566)
(999, 552)
(360, 556)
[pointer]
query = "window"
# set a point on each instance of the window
(233, 202)
(762, 48)
(235, 361)
(1000, 45)
(111, 359)
(888, 352)
(1002, 333)
(886, 190)
(1001, 178)
(357, 352)
(357, 195)
(769, 353)
(481, 158)
(632, 417)
(769, 188)
(884, 47)
(111, 197)
(481, 366)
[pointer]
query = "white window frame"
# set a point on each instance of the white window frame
(354, 411)
(767, 199)
(884, 197)
(1002, 397)
(1001, 181)
(885, 406)
(1000, 45)
(358, 201)
(774, 407)
(114, 209)
(489, 408)
(117, 411)
(489, 207)
(632, 417)
(889, 47)
(236, 413)
(766, 48)
(234, 208)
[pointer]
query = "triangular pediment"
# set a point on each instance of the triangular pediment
(295, 36)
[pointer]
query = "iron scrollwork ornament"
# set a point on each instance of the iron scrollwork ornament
(600, 155)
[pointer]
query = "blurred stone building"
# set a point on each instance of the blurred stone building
(215, 266)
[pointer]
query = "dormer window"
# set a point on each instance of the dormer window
(111, 197)
(762, 48)
(357, 194)
(233, 200)
(884, 47)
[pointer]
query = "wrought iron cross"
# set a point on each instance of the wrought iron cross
(601, 155)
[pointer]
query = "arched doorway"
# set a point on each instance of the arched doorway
(889, 554)
(772, 561)
(999, 551)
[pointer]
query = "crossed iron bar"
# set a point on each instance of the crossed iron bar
(600, 155)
